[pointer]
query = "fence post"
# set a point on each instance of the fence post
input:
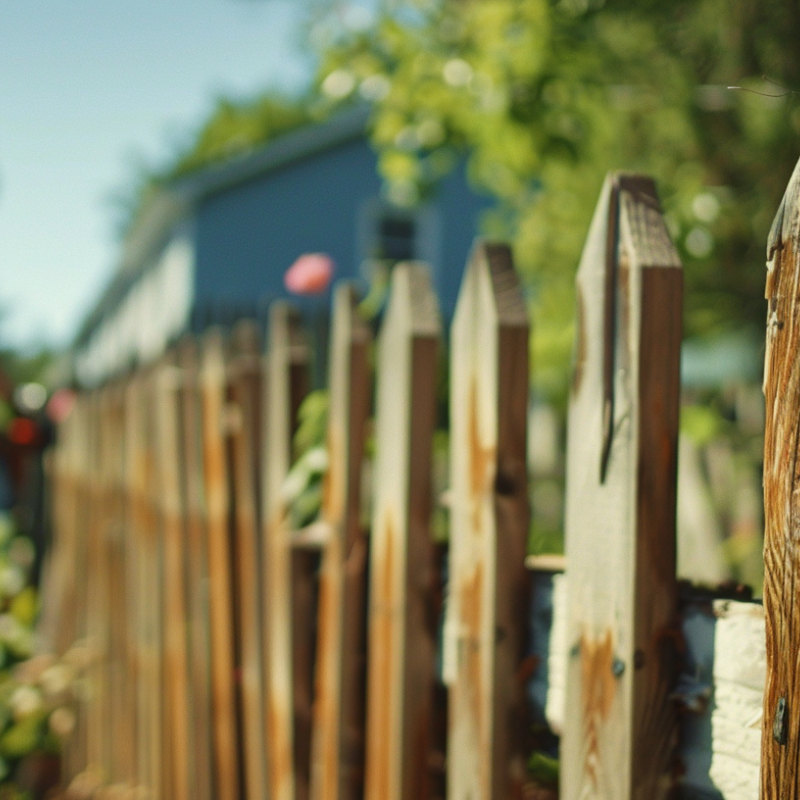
(619, 727)
(403, 576)
(338, 734)
(223, 681)
(242, 423)
(780, 740)
(489, 514)
(287, 678)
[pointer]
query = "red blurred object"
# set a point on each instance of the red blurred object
(23, 431)
(310, 274)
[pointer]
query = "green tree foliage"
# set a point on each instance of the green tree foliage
(543, 98)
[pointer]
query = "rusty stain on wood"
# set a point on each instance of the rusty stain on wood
(481, 460)
(598, 689)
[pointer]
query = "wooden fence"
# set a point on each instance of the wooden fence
(231, 656)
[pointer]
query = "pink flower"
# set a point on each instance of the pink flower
(310, 274)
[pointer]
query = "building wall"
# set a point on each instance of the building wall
(248, 235)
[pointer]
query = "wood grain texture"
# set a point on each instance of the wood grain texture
(487, 606)
(780, 775)
(403, 575)
(223, 677)
(287, 676)
(619, 725)
(243, 367)
(338, 734)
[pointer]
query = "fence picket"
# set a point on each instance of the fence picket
(338, 733)
(403, 575)
(223, 681)
(242, 409)
(486, 618)
(166, 383)
(198, 623)
(287, 677)
(619, 728)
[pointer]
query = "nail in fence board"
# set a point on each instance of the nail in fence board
(223, 680)
(166, 384)
(780, 742)
(489, 516)
(619, 727)
(200, 776)
(244, 367)
(338, 735)
(287, 678)
(403, 575)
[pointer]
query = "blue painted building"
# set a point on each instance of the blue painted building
(222, 238)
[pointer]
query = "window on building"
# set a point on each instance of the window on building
(396, 237)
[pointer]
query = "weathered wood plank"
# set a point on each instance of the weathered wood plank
(198, 624)
(487, 606)
(338, 735)
(403, 575)
(780, 744)
(242, 422)
(288, 668)
(223, 678)
(166, 384)
(619, 727)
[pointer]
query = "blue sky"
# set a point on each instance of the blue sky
(88, 86)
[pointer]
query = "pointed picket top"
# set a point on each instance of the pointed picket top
(487, 594)
(620, 506)
(403, 579)
(780, 740)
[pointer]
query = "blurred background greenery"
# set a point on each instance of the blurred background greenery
(541, 99)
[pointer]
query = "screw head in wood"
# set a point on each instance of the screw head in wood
(617, 667)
